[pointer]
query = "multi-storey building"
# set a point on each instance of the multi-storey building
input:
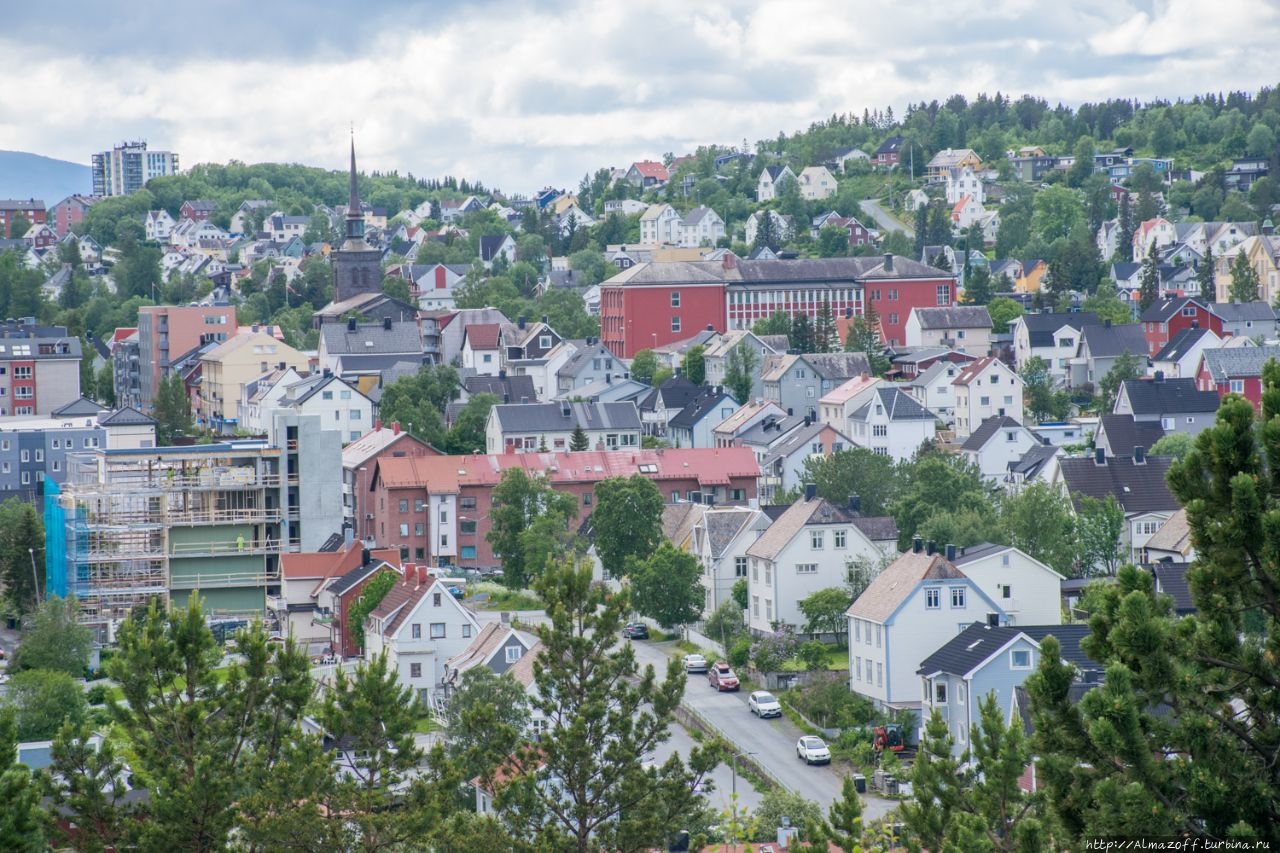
(134, 525)
(231, 365)
(64, 216)
(654, 304)
(127, 167)
(39, 368)
(436, 509)
(167, 331)
(30, 209)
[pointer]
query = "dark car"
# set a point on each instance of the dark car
(636, 631)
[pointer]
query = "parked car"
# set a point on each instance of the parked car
(813, 750)
(722, 677)
(762, 703)
(695, 663)
(636, 631)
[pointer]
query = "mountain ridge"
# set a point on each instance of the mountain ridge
(25, 175)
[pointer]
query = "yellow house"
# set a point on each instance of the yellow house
(1263, 253)
(228, 367)
(1032, 273)
(951, 158)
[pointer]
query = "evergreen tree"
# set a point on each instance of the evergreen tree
(978, 286)
(1205, 276)
(939, 231)
(578, 440)
(1125, 229)
(826, 338)
(1147, 208)
(802, 337)
(21, 819)
(1149, 287)
(842, 826)
(921, 230)
(604, 720)
(767, 232)
(21, 544)
(1244, 279)
(741, 371)
(87, 787)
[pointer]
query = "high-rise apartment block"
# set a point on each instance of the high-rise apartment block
(127, 168)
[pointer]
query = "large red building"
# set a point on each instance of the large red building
(1165, 319)
(649, 305)
(30, 209)
(435, 509)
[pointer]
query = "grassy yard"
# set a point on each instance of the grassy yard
(837, 659)
(427, 724)
(501, 598)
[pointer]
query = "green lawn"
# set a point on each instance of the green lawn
(837, 659)
(501, 598)
(426, 725)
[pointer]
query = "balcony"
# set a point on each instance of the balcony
(223, 580)
(217, 549)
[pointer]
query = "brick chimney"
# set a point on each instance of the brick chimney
(730, 260)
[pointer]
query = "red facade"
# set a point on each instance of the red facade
(646, 316)
(1249, 387)
(67, 214)
(1161, 326)
(893, 300)
(32, 210)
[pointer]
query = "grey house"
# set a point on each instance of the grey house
(797, 382)
(1177, 405)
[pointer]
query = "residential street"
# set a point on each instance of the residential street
(884, 221)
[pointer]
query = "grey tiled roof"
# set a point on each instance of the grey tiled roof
(549, 417)
(372, 338)
(969, 648)
(1235, 312)
(1170, 396)
(899, 405)
(1180, 345)
(1123, 433)
(838, 366)
(988, 428)
(723, 525)
(1110, 341)
(1033, 460)
(128, 416)
(707, 402)
(955, 317)
(1238, 362)
(1040, 327)
(1136, 487)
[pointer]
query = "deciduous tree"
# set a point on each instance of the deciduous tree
(43, 698)
(1244, 279)
(519, 500)
(54, 639)
(643, 366)
(666, 585)
(627, 521)
(824, 612)
(695, 368)
(857, 471)
(740, 367)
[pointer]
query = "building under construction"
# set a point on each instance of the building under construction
(129, 526)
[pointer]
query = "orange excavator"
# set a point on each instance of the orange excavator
(889, 736)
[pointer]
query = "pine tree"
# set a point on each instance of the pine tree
(1205, 276)
(172, 410)
(578, 440)
(21, 534)
(766, 231)
(605, 719)
(826, 337)
(802, 337)
(1149, 289)
(921, 229)
(1244, 279)
(842, 826)
(1125, 229)
(741, 371)
(21, 818)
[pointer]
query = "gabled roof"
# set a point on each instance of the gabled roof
(675, 392)
(1136, 487)
(514, 388)
(1069, 637)
(987, 430)
(650, 169)
(969, 649)
(1170, 396)
(898, 405)
(1124, 433)
(1110, 341)
(850, 389)
(955, 317)
(1164, 309)
(679, 519)
(372, 443)
(799, 439)
(1171, 579)
(128, 416)
(838, 366)
(482, 336)
(490, 245)
(1034, 459)
(723, 525)
(974, 369)
(79, 407)
(1041, 327)
(889, 589)
(818, 511)
(362, 571)
(705, 404)
(1238, 363)
(890, 145)
(1173, 535)
(372, 338)
(1181, 344)
(1237, 312)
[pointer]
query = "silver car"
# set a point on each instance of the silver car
(695, 663)
(762, 703)
(813, 750)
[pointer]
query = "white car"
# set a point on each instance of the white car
(695, 663)
(762, 703)
(813, 750)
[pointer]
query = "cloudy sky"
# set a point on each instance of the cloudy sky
(524, 94)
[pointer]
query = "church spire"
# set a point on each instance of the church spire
(355, 216)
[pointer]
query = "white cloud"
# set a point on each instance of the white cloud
(519, 95)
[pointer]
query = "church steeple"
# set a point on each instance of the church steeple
(355, 216)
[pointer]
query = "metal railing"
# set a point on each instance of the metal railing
(203, 580)
(246, 546)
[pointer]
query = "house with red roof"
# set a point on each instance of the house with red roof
(646, 173)
(419, 626)
(304, 609)
(358, 461)
(481, 348)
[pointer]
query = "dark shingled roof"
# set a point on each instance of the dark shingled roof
(1070, 638)
(838, 366)
(549, 417)
(966, 650)
(698, 408)
(1164, 309)
(1123, 433)
(1180, 344)
(1171, 579)
(1238, 312)
(675, 392)
(1110, 341)
(1169, 396)
(515, 387)
(1040, 327)
(989, 427)
(899, 405)
(1137, 488)
(372, 338)
(1033, 460)
(128, 416)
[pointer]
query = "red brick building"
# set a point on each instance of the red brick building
(68, 213)
(1166, 319)
(359, 459)
(435, 509)
(653, 304)
(32, 209)
(1235, 370)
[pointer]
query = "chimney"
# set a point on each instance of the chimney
(710, 328)
(283, 365)
(1139, 456)
(386, 324)
(546, 318)
(931, 547)
(377, 425)
(855, 503)
(502, 373)
(917, 545)
(254, 327)
(1159, 377)
(520, 322)
(807, 421)
(395, 427)
(951, 553)
(1106, 324)
(888, 262)
(730, 260)
(810, 491)
(565, 409)
(1099, 456)
(351, 325)
(327, 372)
(506, 398)
(365, 557)
(423, 578)
(608, 379)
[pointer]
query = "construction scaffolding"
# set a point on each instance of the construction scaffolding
(131, 526)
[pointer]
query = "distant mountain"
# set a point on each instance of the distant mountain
(24, 175)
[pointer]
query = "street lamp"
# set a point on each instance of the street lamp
(35, 577)
(733, 796)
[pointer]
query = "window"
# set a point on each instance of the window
(957, 597)
(857, 668)
(435, 599)
(57, 442)
(419, 553)
(437, 630)
(816, 538)
(419, 505)
(675, 324)
(806, 568)
(1020, 659)
(868, 670)
(984, 401)
(857, 630)
(839, 537)
(326, 395)
(39, 455)
(404, 506)
(466, 527)
(893, 319)
(939, 693)
(544, 342)
(944, 295)
(415, 631)
(353, 414)
(26, 478)
(344, 395)
(933, 598)
(415, 670)
(768, 609)
(675, 496)
(879, 674)
(675, 299)
(1006, 591)
(1066, 342)
(879, 430)
(768, 574)
(404, 529)
(468, 552)
(755, 605)
(961, 693)
(1237, 386)
(466, 630)
(514, 653)
(419, 529)
(586, 499)
(467, 503)
(879, 635)
(25, 456)
(739, 567)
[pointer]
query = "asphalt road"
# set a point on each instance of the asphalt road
(884, 221)
(773, 741)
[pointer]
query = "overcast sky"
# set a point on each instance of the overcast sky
(524, 94)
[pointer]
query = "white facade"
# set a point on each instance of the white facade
(987, 388)
(964, 182)
(1007, 444)
(876, 428)
(817, 183)
(700, 227)
(659, 224)
(723, 566)
(1066, 340)
(767, 185)
(158, 225)
(1027, 591)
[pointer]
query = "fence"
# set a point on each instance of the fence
(692, 719)
(698, 638)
